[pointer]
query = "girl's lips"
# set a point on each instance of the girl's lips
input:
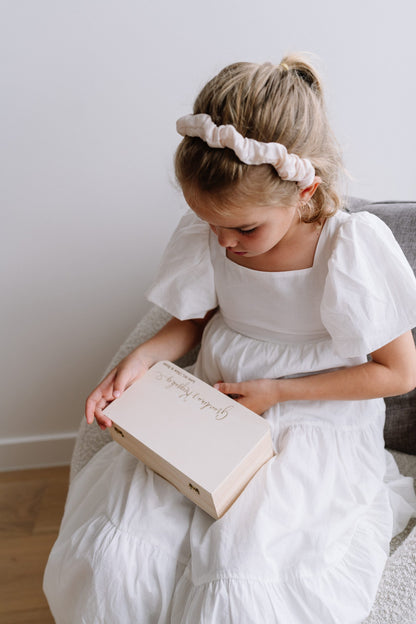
(238, 253)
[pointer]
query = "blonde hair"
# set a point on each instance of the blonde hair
(266, 102)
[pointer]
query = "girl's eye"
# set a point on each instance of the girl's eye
(247, 231)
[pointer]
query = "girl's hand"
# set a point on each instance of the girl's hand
(121, 377)
(171, 342)
(258, 395)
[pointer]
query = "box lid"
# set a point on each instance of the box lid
(202, 432)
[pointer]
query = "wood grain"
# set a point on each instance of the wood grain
(31, 508)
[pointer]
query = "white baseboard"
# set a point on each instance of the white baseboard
(36, 451)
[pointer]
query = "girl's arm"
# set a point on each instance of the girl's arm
(174, 340)
(392, 371)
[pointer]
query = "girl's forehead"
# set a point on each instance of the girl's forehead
(238, 217)
(229, 215)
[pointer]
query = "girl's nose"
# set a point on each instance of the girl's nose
(226, 238)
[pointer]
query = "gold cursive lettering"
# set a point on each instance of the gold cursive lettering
(185, 393)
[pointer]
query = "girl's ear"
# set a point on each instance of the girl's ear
(306, 194)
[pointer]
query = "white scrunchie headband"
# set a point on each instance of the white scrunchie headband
(249, 151)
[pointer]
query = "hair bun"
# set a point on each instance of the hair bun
(306, 72)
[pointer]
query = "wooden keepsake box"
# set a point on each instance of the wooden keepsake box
(204, 443)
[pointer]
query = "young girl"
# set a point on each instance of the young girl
(289, 295)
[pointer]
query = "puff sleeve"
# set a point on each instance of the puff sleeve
(369, 297)
(184, 285)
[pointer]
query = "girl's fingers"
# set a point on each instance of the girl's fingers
(102, 392)
(121, 382)
(109, 389)
(103, 420)
(90, 409)
(234, 390)
(93, 401)
(124, 379)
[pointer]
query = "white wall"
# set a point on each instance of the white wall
(90, 91)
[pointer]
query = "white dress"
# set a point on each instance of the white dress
(307, 540)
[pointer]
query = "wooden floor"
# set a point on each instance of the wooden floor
(31, 508)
